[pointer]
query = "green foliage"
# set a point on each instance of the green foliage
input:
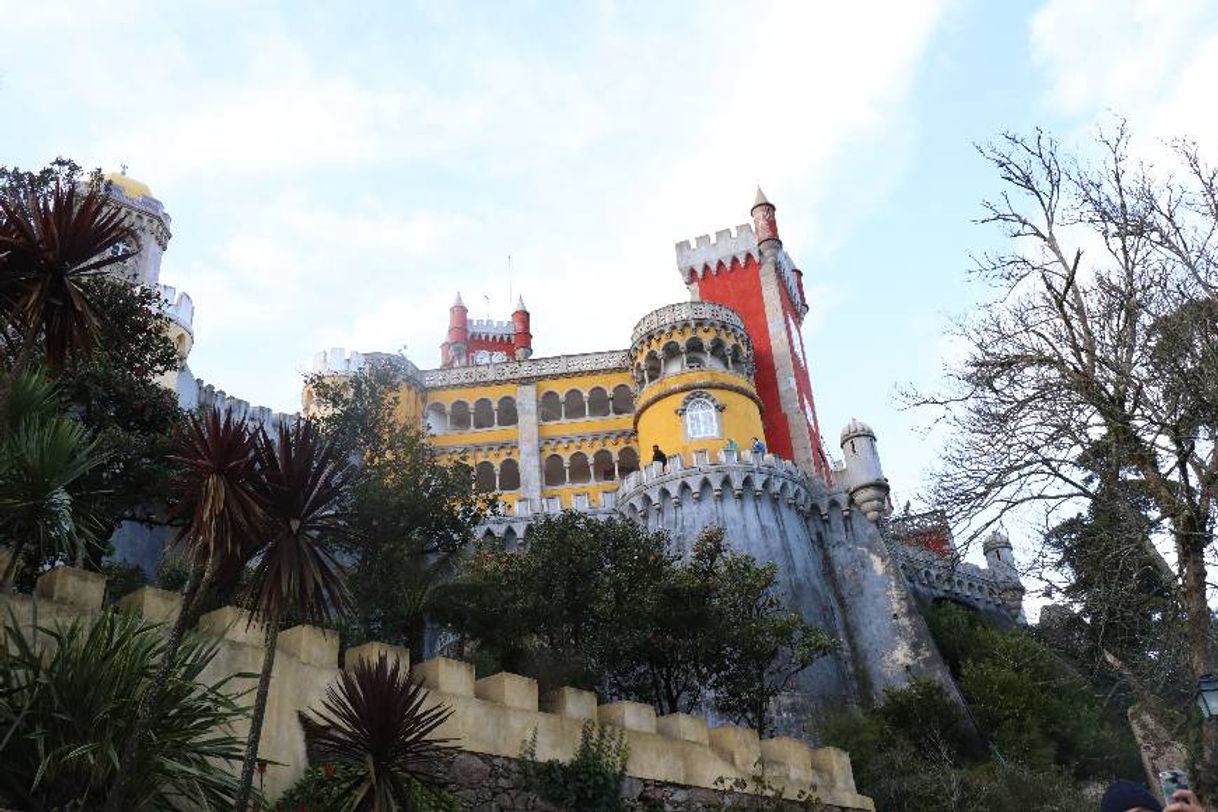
(414, 513)
(606, 605)
(1030, 703)
(378, 725)
(590, 782)
(1048, 729)
(44, 456)
(326, 789)
(67, 702)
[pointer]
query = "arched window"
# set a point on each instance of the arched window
(651, 367)
(551, 407)
(623, 399)
(573, 405)
(578, 470)
(602, 465)
(555, 471)
(509, 475)
(484, 413)
(598, 403)
(627, 461)
(507, 411)
(437, 418)
(701, 419)
(458, 416)
(484, 477)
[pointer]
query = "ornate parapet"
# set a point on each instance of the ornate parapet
(529, 370)
(671, 316)
(727, 473)
(494, 715)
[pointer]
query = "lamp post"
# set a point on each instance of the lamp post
(1207, 696)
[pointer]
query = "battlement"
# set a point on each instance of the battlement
(725, 473)
(339, 361)
(702, 253)
(178, 306)
(532, 369)
(209, 396)
(673, 315)
(491, 328)
(494, 715)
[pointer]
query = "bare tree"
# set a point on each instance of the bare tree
(1102, 338)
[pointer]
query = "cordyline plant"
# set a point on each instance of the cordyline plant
(221, 504)
(305, 488)
(376, 719)
(50, 242)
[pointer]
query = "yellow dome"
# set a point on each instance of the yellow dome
(133, 188)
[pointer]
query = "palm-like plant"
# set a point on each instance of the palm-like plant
(306, 489)
(42, 455)
(220, 503)
(375, 718)
(67, 702)
(49, 244)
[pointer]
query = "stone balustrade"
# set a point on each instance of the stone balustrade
(494, 715)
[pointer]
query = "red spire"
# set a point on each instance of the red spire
(764, 224)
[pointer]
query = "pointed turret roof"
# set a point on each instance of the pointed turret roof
(458, 302)
(520, 305)
(761, 200)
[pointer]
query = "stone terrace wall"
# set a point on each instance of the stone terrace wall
(492, 716)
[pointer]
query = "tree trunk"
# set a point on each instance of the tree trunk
(1189, 541)
(264, 688)
(198, 586)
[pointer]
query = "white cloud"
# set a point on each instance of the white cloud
(1151, 61)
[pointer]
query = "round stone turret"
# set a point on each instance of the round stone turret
(693, 367)
(149, 223)
(863, 477)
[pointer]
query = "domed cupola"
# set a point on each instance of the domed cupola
(149, 224)
(693, 367)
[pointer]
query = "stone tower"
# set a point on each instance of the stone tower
(750, 272)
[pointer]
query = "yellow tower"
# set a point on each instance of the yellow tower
(693, 366)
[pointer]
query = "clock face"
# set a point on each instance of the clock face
(499, 357)
(482, 357)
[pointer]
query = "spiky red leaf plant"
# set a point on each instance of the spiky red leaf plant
(219, 500)
(49, 244)
(307, 482)
(376, 718)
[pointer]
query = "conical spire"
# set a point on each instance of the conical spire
(458, 302)
(761, 200)
(520, 308)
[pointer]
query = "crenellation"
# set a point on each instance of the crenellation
(702, 254)
(628, 716)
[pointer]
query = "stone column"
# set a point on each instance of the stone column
(529, 443)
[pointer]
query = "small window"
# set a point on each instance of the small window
(701, 420)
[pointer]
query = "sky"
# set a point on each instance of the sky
(336, 176)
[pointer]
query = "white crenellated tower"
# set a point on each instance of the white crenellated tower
(862, 476)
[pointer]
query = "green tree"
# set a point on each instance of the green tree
(219, 503)
(414, 512)
(305, 482)
(603, 604)
(68, 699)
(44, 455)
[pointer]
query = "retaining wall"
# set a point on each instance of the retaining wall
(493, 716)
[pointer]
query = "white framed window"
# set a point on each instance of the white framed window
(701, 419)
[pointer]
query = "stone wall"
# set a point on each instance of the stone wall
(493, 716)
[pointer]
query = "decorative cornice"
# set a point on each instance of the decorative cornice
(533, 369)
(686, 312)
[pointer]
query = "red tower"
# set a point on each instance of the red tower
(455, 350)
(522, 339)
(485, 341)
(750, 272)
